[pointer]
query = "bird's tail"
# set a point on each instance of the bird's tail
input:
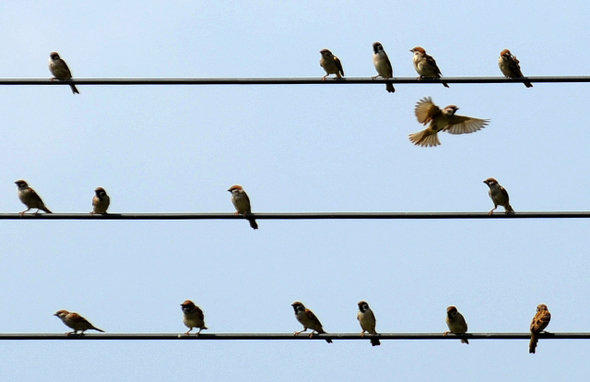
(533, 343)
(97, 329)
(74, 88)
(464, 341)
(375, 342)
(253, 223)
(45, 209)
(445, 84)
(509, 210)
(424, 139)
(528, 84)
(389, 87)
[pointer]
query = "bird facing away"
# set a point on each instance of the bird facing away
(29, 198)
(382, 65)
(75, 321)
(100, 201)
(193, 317)
(499, 196)
(308, 320)
(425, 65)
(331, 64)
(510, 66)
(538, 325)
(456, 323)
(367, 321)
(241, 202)
(442, 120)
(60, 70)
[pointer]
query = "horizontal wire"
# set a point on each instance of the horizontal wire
(288, 81)
(300, 216)
(288, 336)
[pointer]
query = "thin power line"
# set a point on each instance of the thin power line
(300, 216)
(288, 81)
(288, 336)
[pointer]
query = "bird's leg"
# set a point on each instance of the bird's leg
(299, 332)
(186, 334)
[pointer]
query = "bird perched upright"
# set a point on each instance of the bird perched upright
(308, 320)
(499, 196)
(456, 323)
(446, 120)
(425, 65)
(29, 198)
(382, 65)
(100, 201)
(242, 204)
(331, 64)
(367, 321)
(60, 70)
(538, 325)
(75, 321)
(193, 317)
(510, 66)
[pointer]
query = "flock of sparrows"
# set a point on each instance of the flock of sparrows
(193, 317)
(101, 201)
(426, 111)
(239, 198)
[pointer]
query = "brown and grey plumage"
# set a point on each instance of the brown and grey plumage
(510, 66)
(456, 323)
(29, 198)
(193, 317)
(75, 321)
(60, 70)
(331, 64)
(308, 320)
(368, 322)
(538, 325)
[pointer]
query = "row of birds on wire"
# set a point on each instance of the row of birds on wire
(193, 317)
(101, 200)
(426, 111)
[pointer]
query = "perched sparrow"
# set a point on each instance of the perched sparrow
(382, 65)
(456, 323)
(540, 322)
(444, 120)
(425, 65)
(193, 317)
(509, 65)
(242, 203)
(60, 70)
(331, 64)
(75, 321)
(308, 320)
(100, 201)
(499, 196)
(367, 320)
(30, 198)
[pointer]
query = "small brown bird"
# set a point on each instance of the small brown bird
(538, 325)
(510, 66)
(456, 323)
(367, 321)
(382, 65)
(242, 204)
(60, 70)
(331, 64)
(75, 321)
(308, 320)
(442, 120)
(499, 196)
(193, 317)
(425, 65)
(100, 201)
(29, 198)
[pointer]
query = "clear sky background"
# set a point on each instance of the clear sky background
(294, 149)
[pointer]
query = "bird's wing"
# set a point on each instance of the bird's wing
(425, 110)
(459, 124)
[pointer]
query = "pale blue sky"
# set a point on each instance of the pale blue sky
(294, 149)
